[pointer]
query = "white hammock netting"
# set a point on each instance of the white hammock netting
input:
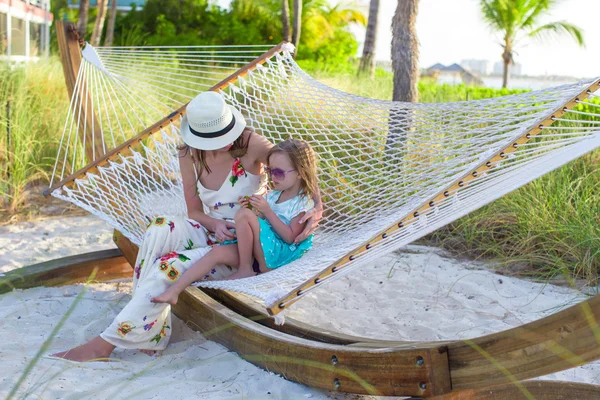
(379, 161)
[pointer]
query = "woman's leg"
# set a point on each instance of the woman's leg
(164, 236)
(249, 247)
(218, 255)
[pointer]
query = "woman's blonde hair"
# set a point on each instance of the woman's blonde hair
(304, 161)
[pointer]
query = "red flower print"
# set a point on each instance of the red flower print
(197, 226)
(170, 255)
(238, 169)
(171, 226)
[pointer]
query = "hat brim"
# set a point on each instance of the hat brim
(213, 143)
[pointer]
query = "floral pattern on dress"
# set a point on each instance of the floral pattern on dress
(163, 333)
(138, 269)
(124, 328)
(149, 326)
(237, 170)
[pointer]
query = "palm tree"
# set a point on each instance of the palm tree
(515, 19)
(367, 62)
(285, 19)
(99, 25)
(110, 29)
(83, 17)
(297, 23)
(405, 51)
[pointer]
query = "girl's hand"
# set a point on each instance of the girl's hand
(244, 201)
(259, 203)
(222, 232)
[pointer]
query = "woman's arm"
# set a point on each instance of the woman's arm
(311, 218)
(287, 233)
(193, 203)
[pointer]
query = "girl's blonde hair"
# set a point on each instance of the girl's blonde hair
(304, 161)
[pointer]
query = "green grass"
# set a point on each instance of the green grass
(38, 105)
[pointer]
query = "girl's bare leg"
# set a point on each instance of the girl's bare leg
(249, 247)
(218, 255)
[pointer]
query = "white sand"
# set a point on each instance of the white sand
(421, 294)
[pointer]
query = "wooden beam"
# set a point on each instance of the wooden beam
(68, 270)
(428, 205)
(90, 131)
(125, 148)
(377, 371)
(541, 390)
(563, 340)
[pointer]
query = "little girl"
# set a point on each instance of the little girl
(265, 241)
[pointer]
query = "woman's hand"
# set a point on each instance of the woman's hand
(222, 232)
(259, 204)
(312, 218)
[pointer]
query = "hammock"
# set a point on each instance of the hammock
(389, 172)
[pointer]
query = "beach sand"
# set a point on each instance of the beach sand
(419, 293)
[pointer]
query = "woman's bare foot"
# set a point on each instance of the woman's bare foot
(96, 349)
(168, 296)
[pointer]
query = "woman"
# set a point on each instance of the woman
(221, 163)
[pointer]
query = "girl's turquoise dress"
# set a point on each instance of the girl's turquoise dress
(277, 251)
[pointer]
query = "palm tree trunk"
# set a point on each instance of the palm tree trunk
(285, 19)
(405, 51)
(110, 29)
(367, 62)
(99, 25)
(507, 59)
(297, 23)
(84, 6)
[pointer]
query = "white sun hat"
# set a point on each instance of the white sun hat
(210, 123)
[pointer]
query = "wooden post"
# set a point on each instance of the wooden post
(70, 56)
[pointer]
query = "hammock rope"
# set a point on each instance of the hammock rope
(390, 172)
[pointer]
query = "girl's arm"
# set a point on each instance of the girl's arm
(194, 204)
(287, 232)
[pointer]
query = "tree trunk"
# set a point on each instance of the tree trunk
(84, 6)
(507, 59)
(99, 25)
(367, 62)
(285, 19)
(110, 29)
(405, 51)
(297, 23)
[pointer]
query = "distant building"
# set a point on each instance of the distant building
(122, 5)
(515, 70)
(24, 29)
(481, 67)
(453, 72)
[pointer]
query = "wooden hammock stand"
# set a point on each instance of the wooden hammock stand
(495, 366)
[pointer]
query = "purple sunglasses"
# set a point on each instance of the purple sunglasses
(277, 173)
